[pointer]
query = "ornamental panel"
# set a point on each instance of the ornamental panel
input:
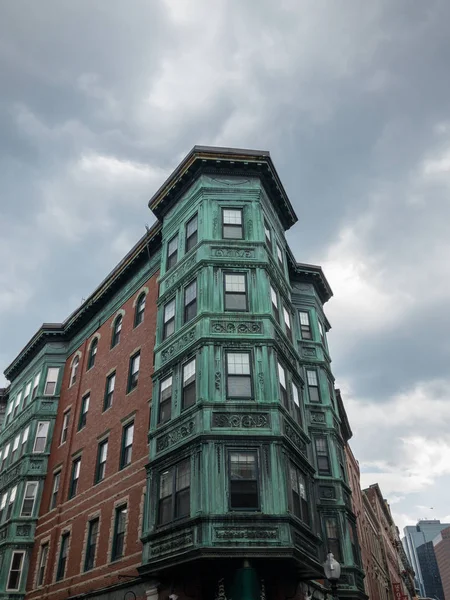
(175, 436)
(295, 438)
(236, 327)
(172, 544)
(183, 341)
(233, 252)
(248, 533)
(241, 420)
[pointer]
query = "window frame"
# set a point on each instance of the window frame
(275, 307)
(36, 437)
(166, 323)
(283, 389)
(24, 440)
(100, 466)
(224, 225)
(11, 501)
(140, 309)
(166, 402)
(232, 508)
(335, 547)
(109, 394)
(89, 556)
(74, 477)
(63, 555)
(133, 376)
(323, 454)
(188, 244)
(296, 406)
(311, 386)
(187, 306)
(26, 394)
(74, 370)
(84, 409)
(65, 427)
(5, 455)
(114, 554)
(20, 570)
(170, 257)
(244, 294)
(36, 381)
(250, 375)
(15, 447)
(304, 506)
(174, 494)
(42, 564)
(184, 405)
(117, 330)
(92, 354)
(280, 258)
(36, 489)
(267, 238)
(17, 403)
(124, 448)
(287, 322)
(55, 489)
(50, 382)
(305, 328)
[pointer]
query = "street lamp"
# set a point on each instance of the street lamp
(332, 570)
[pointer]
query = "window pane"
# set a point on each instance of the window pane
(191, 226)
(166, 388)
(243, 465)
(244, 494)
(239, 386)
(189, 372)
(235, 301)
(232, 217)
(183, 475)
(190, 293)
(166, 484)
(173, 245)
(312, 378)
(287, 317)
(282, 375)
(238, 364)
(234, 283)
(169, 310)
(295, 395)
(273, 296)
(304, 318)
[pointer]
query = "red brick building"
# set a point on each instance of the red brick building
(93, 497)
(442, 551)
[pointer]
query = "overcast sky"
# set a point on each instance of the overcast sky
(100, 100)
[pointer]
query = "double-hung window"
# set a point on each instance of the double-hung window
(102, 454)
(267, 234)
(119, 532)
(127, 445)
(55, 489)
(15, 571)
(305, 325)
(12, 499)
(26, 395)
(299, 498)
(9, 411)
(322, 336)
(280, 255)
(62, 560)
(165, 400)
(174, 493)
(140, 308)
(42, 564)
(296, 399)
(232, 228)
(84, 411)
(74, 477)
(172, 252)
(3, 504)
(29, 499)
(333, 537)
(239, 379)
(117, 328)
(275, 308)
(35, 386)
(323, 455)
(133, 374)
(235, 291)
(313, 385)
(109, 391)
(283, 385)
(244, 493)
(50, 382)
(190, 301)
(91, 545)
(92, 354)
(189, 393)
(23, 445)
(191, 233)
(15, 447)
(287, 322)
(17, 404)
(169, 319)
(5, 455)
(65, 426)
(74, 370)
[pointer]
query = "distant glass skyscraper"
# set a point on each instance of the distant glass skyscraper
(415, 537)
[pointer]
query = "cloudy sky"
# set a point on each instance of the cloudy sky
(100, 100)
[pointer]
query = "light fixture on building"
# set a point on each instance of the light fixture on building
(332, 570)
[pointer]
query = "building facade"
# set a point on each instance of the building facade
(441, 545)
(208, 341)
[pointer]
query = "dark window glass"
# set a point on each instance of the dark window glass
(15, 448)
(102, 454)
(287, 322)
(74, 477)
(296, 406)
(323, 457)
(92, 354)
(332, 531)
(232, 224)
(313, 385)
(191, 233)
(29, 499)
(91, 545)
(267, 234)
(140, 308)
(165, 400)
(127, 445)
(283, 386)
(275, 309)
(280, 255)
(55, 489)
(133, 374)
(63, 556)
(354, 543)
(109, 391)
(172, 252)
(299, 499)
(169, 319)
(305, 325)
(174, 493)
(40, 441)
(84, 412)
(65, 426)
(117, 328)
(189, 392)
(35, 386)
(235, 291)
(25, 435)
(11, 501)
(15, 572)
(239, 381)
(190, 301)
(244, 493)
(42, 564)
(74, 371)
(119, 532)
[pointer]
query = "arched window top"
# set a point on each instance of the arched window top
(117, 328)
(140, 308)
(92, 353)
(74, 370)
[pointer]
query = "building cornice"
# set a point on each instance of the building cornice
(224, 161)
(311, 274)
